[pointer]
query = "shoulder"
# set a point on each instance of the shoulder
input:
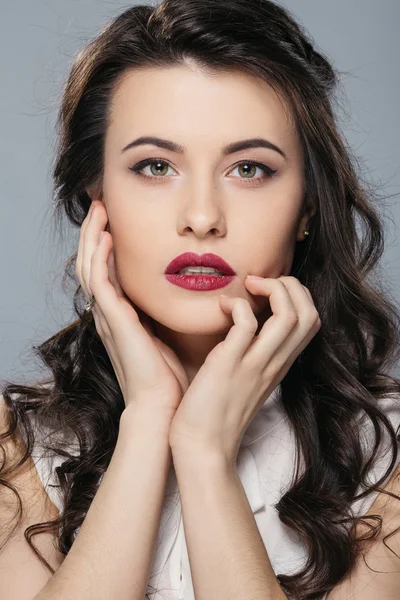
(25, 478)
(377, 571)
(387, 506)
(21, 570)
(13, 446)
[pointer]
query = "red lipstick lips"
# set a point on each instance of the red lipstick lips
(199, 281)
(190, 259)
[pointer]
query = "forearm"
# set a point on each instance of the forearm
(112, 554)
(227, 556)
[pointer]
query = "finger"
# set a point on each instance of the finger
(303, 302)
(244, 327)
(112, 273)
(97, 222)
(299, 293)
(308, 293)
(146, 321)
(279, 326)
(304, 343)
(95, 283)
(300, 335)
(78, 264)
(101, 286)
(113, 277)
(117, 312)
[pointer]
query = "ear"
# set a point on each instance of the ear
(94, 192)
(304, 222)
(90, 192)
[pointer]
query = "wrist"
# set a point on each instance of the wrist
(142, 433)
(199, 459)
(146, 418)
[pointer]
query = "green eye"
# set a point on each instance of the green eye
(138, 169)
(148, 161)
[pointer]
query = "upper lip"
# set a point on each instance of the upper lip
(191, 259)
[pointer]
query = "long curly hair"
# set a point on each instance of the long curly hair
(342, 373)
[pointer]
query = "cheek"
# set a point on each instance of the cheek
(132, 250)
(269, 250)
(139, 268)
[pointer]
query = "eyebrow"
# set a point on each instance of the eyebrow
(230, 149)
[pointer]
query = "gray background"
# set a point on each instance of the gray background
(38, 41)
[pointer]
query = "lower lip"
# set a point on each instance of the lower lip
(200, 283)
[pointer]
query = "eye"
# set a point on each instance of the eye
(161, 166)
(251, 165)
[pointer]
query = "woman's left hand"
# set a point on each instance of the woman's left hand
(244, 369)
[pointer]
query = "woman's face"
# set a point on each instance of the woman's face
(201, 200)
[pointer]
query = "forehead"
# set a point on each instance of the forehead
(186, 103)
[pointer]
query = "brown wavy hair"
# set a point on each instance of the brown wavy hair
(342, 373)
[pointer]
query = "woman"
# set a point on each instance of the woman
(268, 415)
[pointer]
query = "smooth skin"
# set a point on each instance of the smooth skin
(201, 200)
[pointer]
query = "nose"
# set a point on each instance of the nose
(202, 213)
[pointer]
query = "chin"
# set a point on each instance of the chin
(195, 323)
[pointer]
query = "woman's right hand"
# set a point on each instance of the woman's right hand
(147, 369)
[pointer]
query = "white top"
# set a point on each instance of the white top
(265, 465)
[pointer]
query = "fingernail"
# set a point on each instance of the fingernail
(254, 277)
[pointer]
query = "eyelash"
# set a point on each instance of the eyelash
(268, 173)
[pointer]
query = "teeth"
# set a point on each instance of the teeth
(205, 270)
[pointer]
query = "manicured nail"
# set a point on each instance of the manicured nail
(254, 277)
